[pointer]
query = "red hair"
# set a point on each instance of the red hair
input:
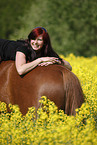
(46, 39)
(36, 32)
(47, 49)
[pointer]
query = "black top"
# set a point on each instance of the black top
(9, 48)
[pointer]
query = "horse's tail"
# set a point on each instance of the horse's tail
(73, 92)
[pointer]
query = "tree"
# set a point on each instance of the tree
(11, 11)
(71, 24)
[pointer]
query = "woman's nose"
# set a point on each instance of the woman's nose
(36, 41)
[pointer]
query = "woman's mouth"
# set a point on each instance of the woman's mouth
(36, 47)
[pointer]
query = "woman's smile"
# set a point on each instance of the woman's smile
(37, 43)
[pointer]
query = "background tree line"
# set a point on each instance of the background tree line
(10, 13)
(72, 24)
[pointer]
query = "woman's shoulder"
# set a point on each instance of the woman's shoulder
(22, 48)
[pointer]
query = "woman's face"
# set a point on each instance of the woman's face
(37, 44)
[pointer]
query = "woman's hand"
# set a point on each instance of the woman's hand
(48, 59)
(45, 61)
(23, 67)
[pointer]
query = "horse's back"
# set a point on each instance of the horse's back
(52, 81)
(26, 90)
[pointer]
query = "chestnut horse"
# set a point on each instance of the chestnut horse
(54, 81)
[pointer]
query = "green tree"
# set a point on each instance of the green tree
(72, 24)
(10, 13)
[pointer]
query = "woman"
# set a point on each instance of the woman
(32, 52)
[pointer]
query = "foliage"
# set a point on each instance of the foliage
(52, 126)
(10, 13)
(72, 25)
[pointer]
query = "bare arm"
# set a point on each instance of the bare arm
(61, 61)
(23, 67)
(64, 63)
(67, 64)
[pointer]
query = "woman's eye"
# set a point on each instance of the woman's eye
(40, 39)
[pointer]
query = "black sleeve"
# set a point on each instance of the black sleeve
(23, 49)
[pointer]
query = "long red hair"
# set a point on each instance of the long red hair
(47, 49)
(46, 39)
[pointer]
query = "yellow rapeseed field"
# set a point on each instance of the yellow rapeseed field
(53, 127)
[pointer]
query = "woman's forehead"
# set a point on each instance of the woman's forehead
(40, 36)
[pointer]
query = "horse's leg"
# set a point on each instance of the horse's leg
(73, 93)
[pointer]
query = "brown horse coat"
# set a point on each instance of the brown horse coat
(54, 81)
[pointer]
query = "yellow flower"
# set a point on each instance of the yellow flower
(50, 126)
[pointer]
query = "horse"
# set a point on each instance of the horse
(56, 82)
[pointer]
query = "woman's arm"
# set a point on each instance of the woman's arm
(63, 62)
(23, 67)
(66, 64)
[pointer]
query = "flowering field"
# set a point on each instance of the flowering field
(52, 127)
